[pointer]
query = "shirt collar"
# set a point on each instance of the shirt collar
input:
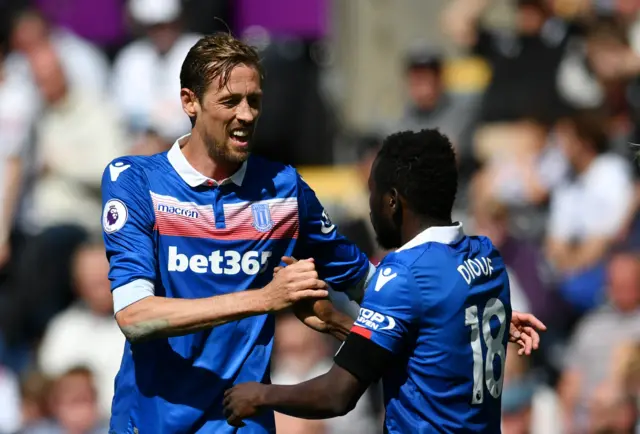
(194, 178)
(436, 234)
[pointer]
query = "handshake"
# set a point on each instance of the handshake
(297, 285)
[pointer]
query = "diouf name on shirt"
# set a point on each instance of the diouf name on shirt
(473, 268)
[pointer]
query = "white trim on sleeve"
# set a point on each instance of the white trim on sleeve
(128, 294)
(356, 293)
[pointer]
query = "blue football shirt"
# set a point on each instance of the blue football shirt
(441, 304)
(171, 232)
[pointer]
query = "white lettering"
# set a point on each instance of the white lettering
(177, 261)
(374, 320)
(473, 268)
(464, 273)
(215, 258)
(219, 262)
(482, 265)
(250, 264)
(198, 263)
(233, 262)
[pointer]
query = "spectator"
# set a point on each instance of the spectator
(34, 391)
(77, 136)
(587, 212)
(17, 113)
(146, 75)
(301, 354)
(524, 260)
(538, 44)
(590, 72)
(86, 333)
(74, 407)
(592, 350)
(84, 64)
(429, 104)
(523, 164)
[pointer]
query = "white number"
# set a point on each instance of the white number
(264, 259)
(233, 262)
(494, 307)
(250, 264)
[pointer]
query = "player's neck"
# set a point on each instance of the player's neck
(196, 153)
(414, 226)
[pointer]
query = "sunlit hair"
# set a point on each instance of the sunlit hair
(213, 58)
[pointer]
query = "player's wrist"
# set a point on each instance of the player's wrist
(262, 396)
(264, 301)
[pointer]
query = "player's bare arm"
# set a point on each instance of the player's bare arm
(322, 316)
(157, 317)
(333, 394)
(359, 363)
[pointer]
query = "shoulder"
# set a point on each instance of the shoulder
(134, 168)
(266, 168)
(610, 165)
(395, 266)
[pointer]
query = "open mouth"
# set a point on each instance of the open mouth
(241, 136)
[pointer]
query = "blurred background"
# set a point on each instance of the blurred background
(539, 97)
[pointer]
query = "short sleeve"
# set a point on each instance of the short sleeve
(128, 222)
(339, 261)
(390, 309)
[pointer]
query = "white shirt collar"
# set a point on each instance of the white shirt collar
(436, 234)
(194, 178)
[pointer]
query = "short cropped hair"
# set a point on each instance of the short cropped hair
(422, 167)
(214, 57)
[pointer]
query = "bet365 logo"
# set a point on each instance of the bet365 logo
(219, 262)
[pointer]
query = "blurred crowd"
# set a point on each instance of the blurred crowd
(546, 171)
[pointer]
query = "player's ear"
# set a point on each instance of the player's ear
(190, 102)
(394, 199)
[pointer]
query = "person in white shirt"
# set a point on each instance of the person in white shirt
(86, 333)
(85, 66)
(18, 107)
(146, 73)
(588, 211)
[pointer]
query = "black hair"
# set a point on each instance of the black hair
(422, 167)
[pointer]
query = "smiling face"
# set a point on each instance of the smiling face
(227, 114)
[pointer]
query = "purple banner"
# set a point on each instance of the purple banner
(303, 18)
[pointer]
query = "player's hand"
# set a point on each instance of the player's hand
(315, 314)
(288, 260)
(242, 401)
(524, 331)
(293, 283)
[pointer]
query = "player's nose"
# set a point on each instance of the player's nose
(246, 114)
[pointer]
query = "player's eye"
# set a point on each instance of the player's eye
(254, 101)
(231, 102)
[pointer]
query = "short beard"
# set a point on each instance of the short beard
(219, 153)
(389, 239)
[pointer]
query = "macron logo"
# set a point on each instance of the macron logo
(384, 277)
(116, 169)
